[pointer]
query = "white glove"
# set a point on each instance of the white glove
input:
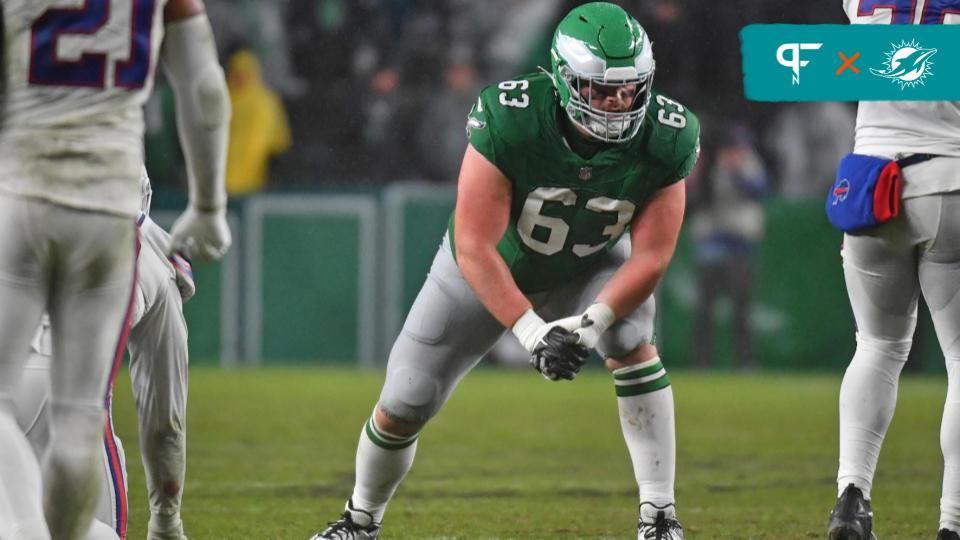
(590, 325)
(530, 329)
(201, 234)
(554, 351)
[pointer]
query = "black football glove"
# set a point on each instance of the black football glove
(558, 355)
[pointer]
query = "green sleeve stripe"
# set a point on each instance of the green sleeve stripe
(640, 370)
(644, 388)
(379, 440)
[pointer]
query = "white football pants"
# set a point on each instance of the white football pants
(158, 371)
(886, 270)
(78, 266)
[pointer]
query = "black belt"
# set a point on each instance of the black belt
(913, 159)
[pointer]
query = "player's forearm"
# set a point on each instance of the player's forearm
(653, 239)
(203, 107)
(633, 283)
(492, 282)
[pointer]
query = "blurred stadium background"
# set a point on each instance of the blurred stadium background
(333, 242)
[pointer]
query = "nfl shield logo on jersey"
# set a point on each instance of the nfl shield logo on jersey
(586, 173)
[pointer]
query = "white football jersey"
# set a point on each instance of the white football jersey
(887, 128)
(77, 74)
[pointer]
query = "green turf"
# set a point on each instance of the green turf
(514, 456)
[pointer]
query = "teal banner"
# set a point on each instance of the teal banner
(833, 62)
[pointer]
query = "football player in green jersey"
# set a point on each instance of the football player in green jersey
(569, 205)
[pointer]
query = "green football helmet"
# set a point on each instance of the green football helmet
(599, 50)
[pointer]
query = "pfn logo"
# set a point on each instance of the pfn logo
(794, 62)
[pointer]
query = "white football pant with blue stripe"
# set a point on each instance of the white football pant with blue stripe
(158, 370)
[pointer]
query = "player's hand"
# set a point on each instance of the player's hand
(184, 276)
(589, 325)
(559, 355)
(530, 330)
(554, 351)
(200, 234)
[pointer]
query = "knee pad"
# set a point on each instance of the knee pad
(872, 348)
(410, 395)
(625, 337)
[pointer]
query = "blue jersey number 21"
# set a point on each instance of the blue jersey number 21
(89, 70)
(903, 10)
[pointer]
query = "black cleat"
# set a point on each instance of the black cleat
(658, 523)
(353, 525)
(947, 534)
(851, 518)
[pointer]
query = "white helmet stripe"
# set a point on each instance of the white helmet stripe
(580, 57)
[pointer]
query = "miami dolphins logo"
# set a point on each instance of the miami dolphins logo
(907, 64)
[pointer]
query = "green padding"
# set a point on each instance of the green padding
(645, 388)
(202, 313)
(311, 280)
(801, 317)
(424, 224)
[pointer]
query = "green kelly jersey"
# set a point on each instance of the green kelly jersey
(566, 210)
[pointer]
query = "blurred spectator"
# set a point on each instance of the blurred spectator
(518, 42)
(379, 89)
(390, 85)
(441, 136)
(258, 129)
(727, 226)
(422, 84)
(161, 146)
(260, 26)
(808, 140)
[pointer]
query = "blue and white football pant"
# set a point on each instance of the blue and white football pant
(33, 415)
(79, 267)
(158, 371)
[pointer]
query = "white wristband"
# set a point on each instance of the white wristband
(601, 315)
(527, 329)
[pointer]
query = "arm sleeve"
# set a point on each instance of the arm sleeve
(189, 57)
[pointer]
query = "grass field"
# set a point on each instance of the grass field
(513, 456)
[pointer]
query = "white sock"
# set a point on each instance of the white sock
(21, 507)
(950, 446)
(645, 400)
(868, 396)
(383, 461)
